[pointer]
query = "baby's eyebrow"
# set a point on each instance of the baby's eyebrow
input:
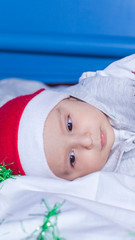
(59, 115)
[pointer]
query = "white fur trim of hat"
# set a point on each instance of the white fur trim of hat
(30, 134)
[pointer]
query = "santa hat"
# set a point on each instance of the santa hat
(22, 122)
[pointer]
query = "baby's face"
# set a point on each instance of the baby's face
(77, 139)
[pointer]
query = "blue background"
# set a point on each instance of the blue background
(56, 40)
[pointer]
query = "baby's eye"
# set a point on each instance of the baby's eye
(72, 159)
(69, 124)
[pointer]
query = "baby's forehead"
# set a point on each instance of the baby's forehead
(69, 102)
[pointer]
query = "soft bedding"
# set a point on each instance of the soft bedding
(98, 206)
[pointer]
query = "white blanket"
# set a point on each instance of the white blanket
(98, 206)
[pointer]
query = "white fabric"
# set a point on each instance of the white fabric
(11, 88)
(124, 145)
(99, 206)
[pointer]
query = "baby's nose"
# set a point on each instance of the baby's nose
(84, 140)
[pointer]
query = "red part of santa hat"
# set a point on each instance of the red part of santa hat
(10, 115)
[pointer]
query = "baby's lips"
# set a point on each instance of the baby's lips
(103, 138)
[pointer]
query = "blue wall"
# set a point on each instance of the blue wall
(56, 40)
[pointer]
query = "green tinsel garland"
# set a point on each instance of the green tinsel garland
(48, 230)
(6, 172)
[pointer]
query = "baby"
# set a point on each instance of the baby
(89, 127)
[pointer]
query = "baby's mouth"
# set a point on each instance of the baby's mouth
(103, 138)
